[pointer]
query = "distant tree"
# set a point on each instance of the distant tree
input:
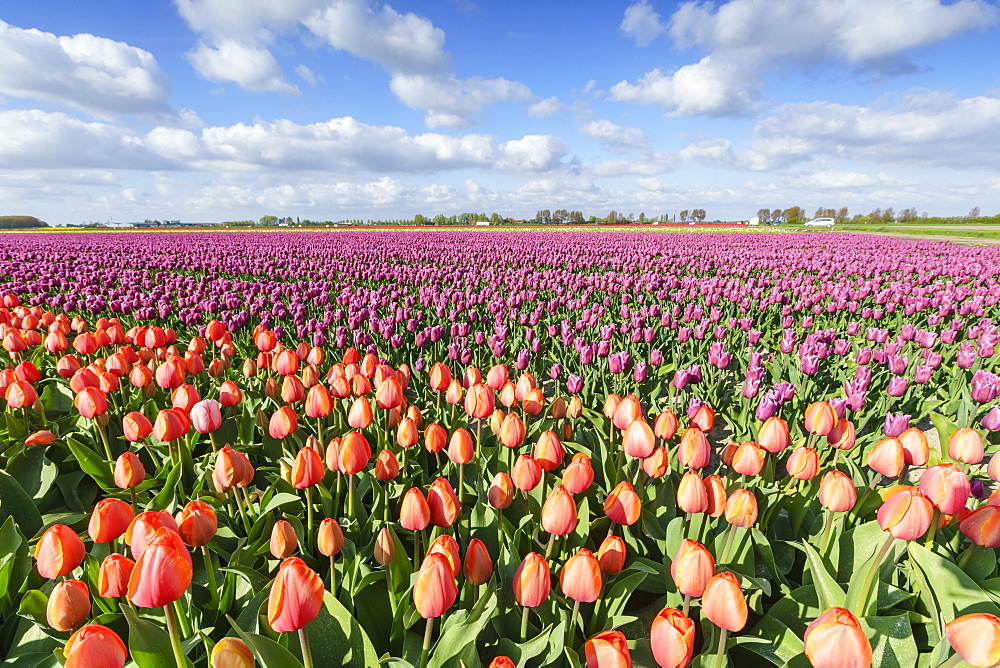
(777, 216)
(907, 215)
(973, 213)
(419, 219)
(268, 220)
(613, 217)
(684, 215)
(440, 219)
(764, 216)
(642, 218)
(888, 215)
(20, 222)
(495, 218)
(875, 216)
(794, 214)
(841, 215)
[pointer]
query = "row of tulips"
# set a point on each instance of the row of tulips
(479, 467)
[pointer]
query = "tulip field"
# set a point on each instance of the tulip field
(444, 448)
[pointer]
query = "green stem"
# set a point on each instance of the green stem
(952, 662)
(935, 519)
(729, 544)
(104, 440)
(239, 506)
(873, 575)
(135, 501)
(428, 635)
(720, 655)
(524, 624)
(333, 576)
(307, 659)
(687, 604)
(175, 639)
(210, 572)
(392, 595)
(826, 532)
(966, 556)
(572, 623)
(310, 537)
(548, 549)
(185, 625)
(350, 498)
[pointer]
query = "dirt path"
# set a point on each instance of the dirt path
(902, 234)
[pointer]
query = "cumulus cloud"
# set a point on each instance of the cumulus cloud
(614, 137)
(747, 38)
(642, 23)
(100, 76)
(546, 108)
(410, 48)
(533, 153)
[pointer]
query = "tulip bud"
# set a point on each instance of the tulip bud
(820, 418)
(623, 505)
(478, 566)
(501, 492)
(837, 492)
(694, 450)
(113, 576)
(109, 520)
(671, 638)
(611, 555)
(608, 649)
(435, 589)
(532, 581)
(549, 451)
(329, 538)
(296, 596)
(443, 503)
(414, 513)
(580, 577)
(741, 508)
(666, 425)
(803, 463)
(58, 552)
(502, 662)
(69, 605)
(197, 523)
(965, 445)
(773, 435)
(385, 547)
(232, 653)
(703, 419)
(460, 447)
(527, 473)
(691, 494)
(835, 639)
(723, 602)
(435, 438)
(579, 474)
(693, 566)
(95, 645)
(283, 539)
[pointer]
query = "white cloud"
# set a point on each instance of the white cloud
(533, 153)
(642, 23)
(103, 77)
(711, 152)
(410, 48)
(747, 38)
(644, 165)
(309, 76)
(253, 68)
(546, 108)
(615, 137)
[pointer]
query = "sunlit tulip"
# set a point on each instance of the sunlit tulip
(40, 438)
(232, 653)
(162, 573)
(109, 520)
(136, 426)
(820, 418)
(723, 602)
(559, 512)
(461, 449)
(916, 449)
(232, 469)
(230, 394)
(435, 438)
(478, 566)
(448, 546)
(94, 645)
(611, 555)
(385, 547)
(549, 451)
(665, 425)
(623, 505)
(386, 466)
(703, 419)
(414, 513)
(144, 526)
(906, 514)
(671, 638)
(184, 397)
(113, 576)
(965, 445)
(693, 566)
(657, 464)
(976, 638)
(90, 402)
(638, 440)
(982, 526)
(741, 508)
(526, 473)
(945, 486)
(532, 581)
(283, 422)
(715, 490)
(454, 394)
(611, 406)
(355, 453)
(389, 394)
(748, 459)
(835, 639)
(440, 377)
(579, 474)
(308, 469)
(803, 463)
(443, 503)
(329, 537)
(58, 551)
(197, 523)
(283, 539)
(773, 435)
(843, 436)
(691, 494)
(407, 433)
(694, 451)
(171, 424)
(435, 588)
(837, 493)
(886, 457)
(580, 577)
(501, 491)
(479, 401)
(21, 394)
(68, 605)
(497, 377)
(296, 596)
(608, 649)
(627, 412)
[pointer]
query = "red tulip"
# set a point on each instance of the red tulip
(94, 645)
(549, 451)
(414, 513)
(611, 555)
(296, 596)
(69, 605)
(623, 505)
(113, 576)
(443, 503)
(197, 523)
(162, 573)
(144, 526)
(435, 589)
(58, 551)
(308, 469)
(478, 566)
(532, 581)
(110, 519)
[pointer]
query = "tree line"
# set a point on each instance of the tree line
(797, 214)
(20, 223)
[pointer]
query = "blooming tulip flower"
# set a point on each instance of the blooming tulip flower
(478, 566)
(982, 526)
(723, 602)
(68, 605)
(197, 523)
(579, 474)
(608, 649)
(887, 457)
(113, 576)
(639, 440)
(559, 512)
(40, 438)
(611, 555)
(283, 539)
(501, 491)
(692, 567)
(162, 572)
(580, 577)
(623, 505)
(296, 596)
(435, 589)
(110, 519)
(671, 638)
(820, 418)
(527, 473)
(835, 640)
(443, 503)
(95, 645)
(308, 469)
(136, 426)
(965, 445)
(532, 581)
(741, 508)
(58, 552)
(694, 451)
(414, 513)
(906, 514)
(836, 492)
(773, 435)
(691, 494)
(976, 638)
(232, 653)
(916, 449)
(945, 486)
(549, 451)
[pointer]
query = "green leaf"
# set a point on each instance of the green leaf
(148, 643)
(954, 593)
(944, 427)
(522, 654)
(267, 652)
(92, 464)
(892, 641)
(166, 495)
(278, 500)
(459, 641)
(14, 562)
(33, 605)
(829, 592)
(335, 632)
(15, 502)
(33, 471)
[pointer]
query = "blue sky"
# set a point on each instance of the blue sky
(210, 110)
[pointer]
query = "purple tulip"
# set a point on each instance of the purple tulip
(991, 420)
(897, 386)
(574, 384)
(895, 424)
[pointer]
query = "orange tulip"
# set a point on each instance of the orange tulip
(94, 645)
(672, 638)
(136, 426)
(982, 526)
(820, 418)
(837, 492)
(296, 596)
(835, 640)
(232, 469)
(525, 383)
(90, 402)
(965, 445)
(454, 393)
(665, 425)
(579, 474)
(803, 463)
(354, 453)
(741, 508)
(976, 638)
(319, 402)
(502, 662)
(232, 653)
(694, 450)
(162, 573)
(435, 438)
(385, 547)
(843, 435)
(171, 424)
(559, 512)
(549, 451)
(723, 602)
(533, 402)
(435, 589)
(623, 505)
(611, 405)
(478, 566)
(329, 538)
(389, 394)
(608, 649)
(69, 605)
(508, 396)
(916, 449)
(703, 419)
(527, 473)
(283, 422)
(496, 378)
(693, 566)
(407, 434)
(58, 551)
(715, 490)
(887, 457)
(197, 523)
(386, 466)
(906, 514)
(109, 520)
(20, 394)
(748, 459)
(657, 464)
(611, 555)
(414, 513)
(448, 546)
(501, 491)
(532, 581)
(113, 576)
(511, 431)
(144, 526)
(639, 440)
(580, 577)
(479, 401)
(40, 438)
(283, 539)
(443, 503)
(460, 447)
(945, 486)
(230, 394)
(440, 377)
(692, 496)
(626, 412)
(308, 469)
(773, 435)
